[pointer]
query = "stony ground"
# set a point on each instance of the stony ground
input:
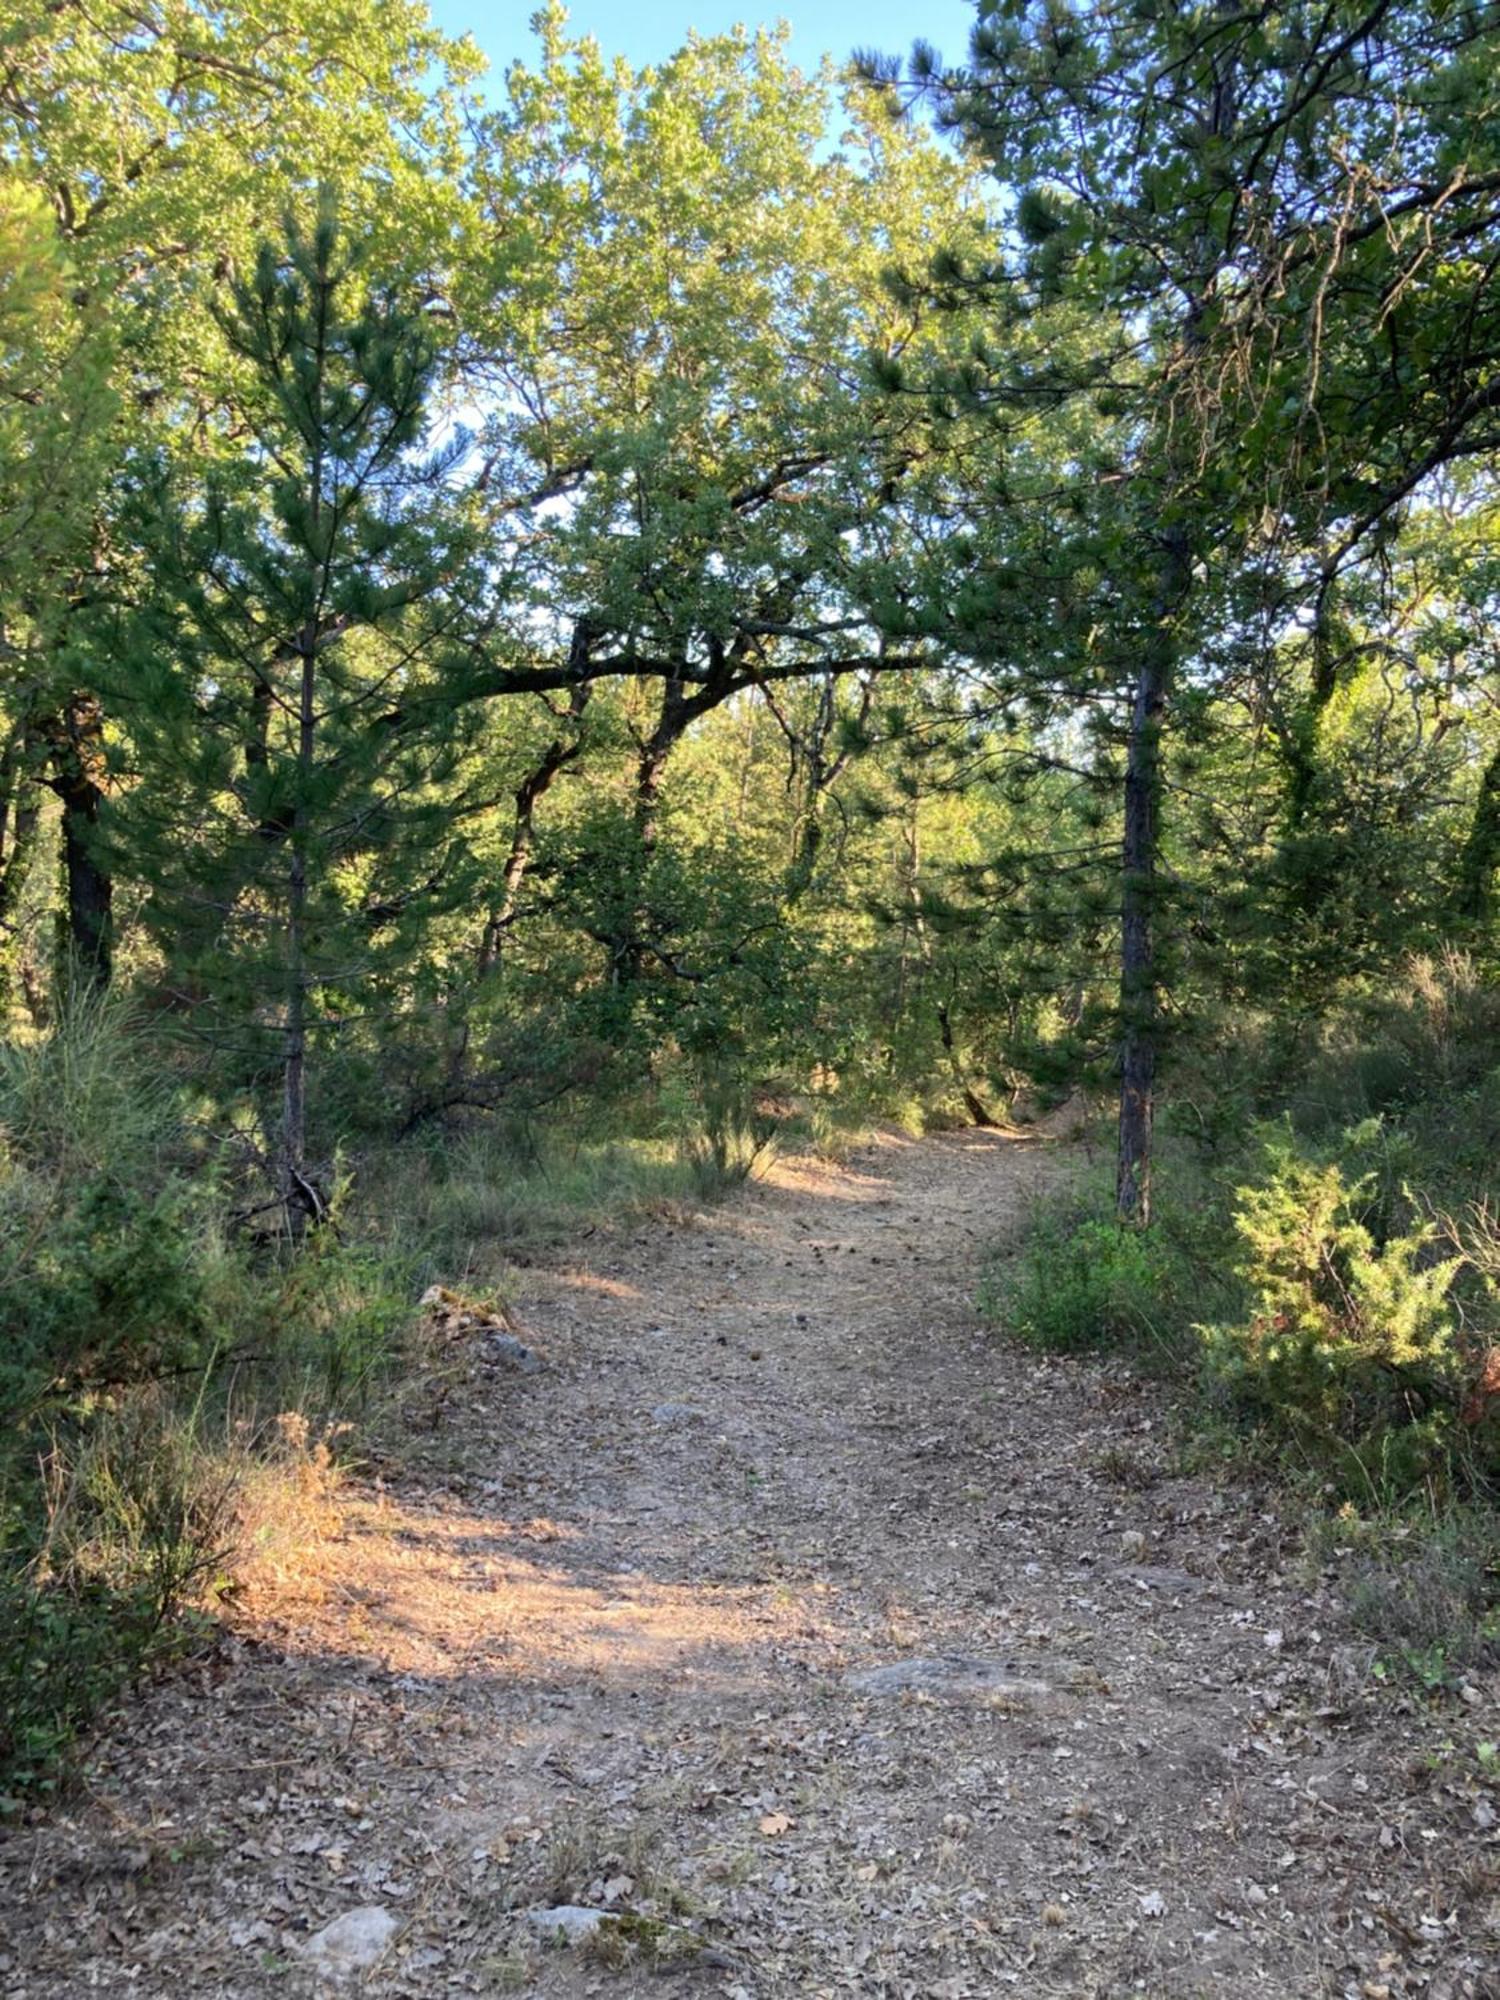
(828, 1644)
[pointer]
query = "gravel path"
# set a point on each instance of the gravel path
(825, 1642)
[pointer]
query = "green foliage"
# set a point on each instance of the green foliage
(734, 1138)
(635, 604)
(99, 1569)
(1081, 1282)
(293, 665)
(137, 1321)
(112, 1265)
(1326, 1291)
(1371, 1303)
(1345, 1334)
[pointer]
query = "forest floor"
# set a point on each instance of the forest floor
(792, 1606)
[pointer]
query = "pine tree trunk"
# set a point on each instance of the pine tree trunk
(1139, 942)
(301, 1200)
(78, 779)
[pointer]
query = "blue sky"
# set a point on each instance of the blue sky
(647, 30)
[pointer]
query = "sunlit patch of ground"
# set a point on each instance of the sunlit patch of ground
(431, 1592)
(591, 1282)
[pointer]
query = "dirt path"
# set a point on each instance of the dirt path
(613, 1652)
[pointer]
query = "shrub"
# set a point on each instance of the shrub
(146, 1347)
(104, 1281)
(1085, 1282)
(1351, 1342)
(132, 1518)
(730, 1139)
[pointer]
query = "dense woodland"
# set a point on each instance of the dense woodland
(559, 629)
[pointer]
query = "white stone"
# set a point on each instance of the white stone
(949, 1673)
(571, 1922)
(353, 1942)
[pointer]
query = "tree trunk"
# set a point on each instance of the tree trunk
(1139, 968)
(678, 709)
(558, 755)
(302, 1201)
(650, 772)
(78, 775)
(808, 845)
(974, 1104)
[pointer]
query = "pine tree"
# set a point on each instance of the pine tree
(297, 801)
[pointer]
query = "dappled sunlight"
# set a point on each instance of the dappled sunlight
(453, 1598)
(590, 1281)
(828, 1180)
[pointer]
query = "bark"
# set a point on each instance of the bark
(974, 1104)
(302, 1201)
(678, 710)
(1139, 968)
(554, 760)
(809, 845)
(78, 778)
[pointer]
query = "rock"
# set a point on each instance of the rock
(353, 1942)
(1161, 1576)
(568, 1923)
(505, 1351)
(948, 1673)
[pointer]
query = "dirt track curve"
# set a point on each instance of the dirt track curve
(796, 1620)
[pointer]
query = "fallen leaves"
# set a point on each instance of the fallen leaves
(651, 1715)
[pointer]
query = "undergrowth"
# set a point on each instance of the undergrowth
(177, 1393)
(1325, 1288)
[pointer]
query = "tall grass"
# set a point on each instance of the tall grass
(149, 1352)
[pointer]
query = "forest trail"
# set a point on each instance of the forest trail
(609, 1646)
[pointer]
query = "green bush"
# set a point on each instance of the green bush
(144, 1339)
(729, 1138)
(104, 1281)
(98, 1563)
(335, 1316)
(1351, 1342)
(1081, 1282)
